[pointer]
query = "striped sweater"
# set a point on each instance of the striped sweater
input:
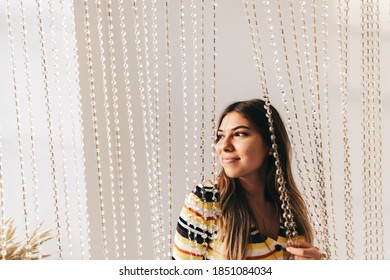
(195, 237)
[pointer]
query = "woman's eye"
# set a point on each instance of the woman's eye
(219, 137)
(240, 134)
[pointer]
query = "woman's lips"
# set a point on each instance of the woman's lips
(230, 160)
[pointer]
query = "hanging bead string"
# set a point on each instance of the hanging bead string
(290, 88)
(184, 91)
(202, 138)
(57, 94)
(131, 130)
(3, 225)
(317, 164)
(50, 128)
(168, 65)
(130, 121)
(374, 90)
(287, 211)
(367, 170)
(279, 79)
(313, 213)
(342, 24)
(372, 124)
(371, 80)
(153, 193)
(377, 130)
(276, 68)
(118, 149)
(19, 128)
(308, 174)
(214, 95)
(65, 43)
(317, 120)
(144, 115)
(92, 97)
(366, 175)
(156, 151)
(108, 125)
(297, 122)
(191, 227)
(367, 124)
(215, 211)
(379, 210)
(311, 205)
(154, 187)
(325, 49)
(203, 88)
(195, 93)
(81, 133)
(30, 118)
(371, 87)
(371, 105)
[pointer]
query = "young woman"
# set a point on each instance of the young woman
(241, 217)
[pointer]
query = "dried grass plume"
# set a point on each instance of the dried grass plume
(19, 250)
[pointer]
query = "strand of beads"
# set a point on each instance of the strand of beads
(153, 187)
(312, 206)
(195, 92)
(202, 131)
(92, 97)
(325, 49)
(215, 211)
(168, 65)
(281, 86)
(144, 114)
(307, 180)
(342, 14)
(30, 117)
(371, 117)
(214, 94)
(50, 128)
(184, 90)
(203, 89)
(317, 120)
(156, 151)
(153, 190)
(368, 128)
(366, 175)
(191, 238)
(65, 44)
(316, 123)
(379, 238)
(131, 131)
(287, 215)
(81, 133)
(19, 128)
(118, 149)
(59, 100)
(107, 126)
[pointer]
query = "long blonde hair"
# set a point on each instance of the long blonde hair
(235, 222)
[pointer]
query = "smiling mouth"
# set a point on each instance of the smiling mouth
(229, 160)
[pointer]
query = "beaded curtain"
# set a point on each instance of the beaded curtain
(108, 110)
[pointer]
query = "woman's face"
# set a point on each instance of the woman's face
(240, 147)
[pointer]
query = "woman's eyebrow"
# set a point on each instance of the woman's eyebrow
(237, 127)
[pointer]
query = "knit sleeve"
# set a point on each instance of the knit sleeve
(195, 225)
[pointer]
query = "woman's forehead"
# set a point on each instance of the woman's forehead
(234, 119)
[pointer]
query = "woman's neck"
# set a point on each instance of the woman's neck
(254, 191)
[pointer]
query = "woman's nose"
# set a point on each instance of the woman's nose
(226, 144)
